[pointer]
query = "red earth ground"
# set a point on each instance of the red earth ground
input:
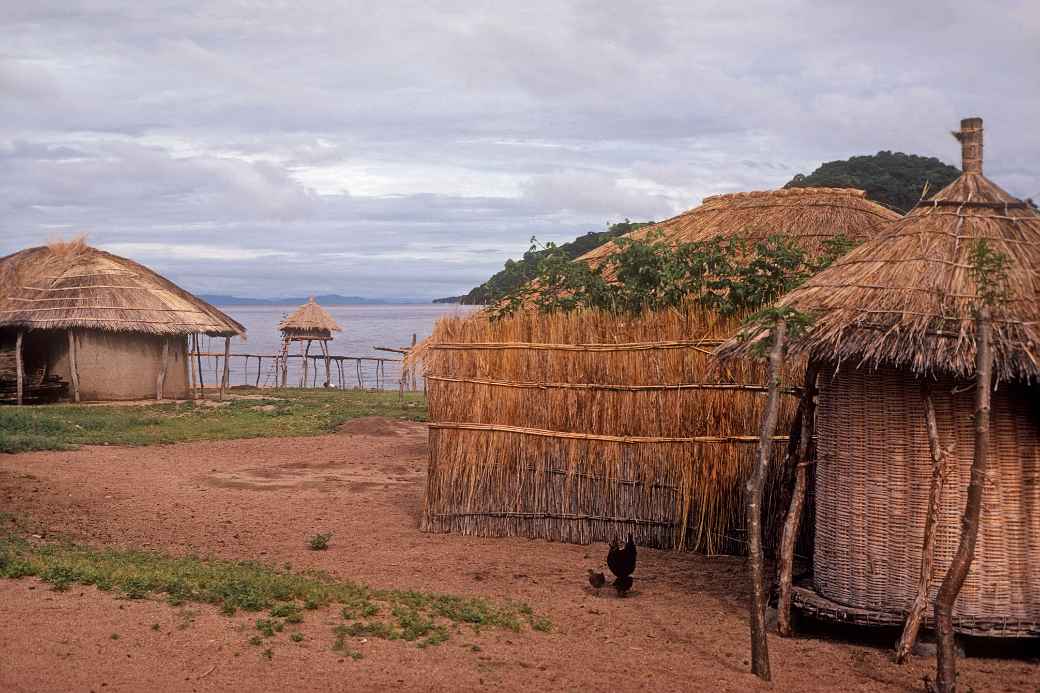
(684, 629)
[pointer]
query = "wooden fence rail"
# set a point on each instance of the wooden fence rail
(340, 372)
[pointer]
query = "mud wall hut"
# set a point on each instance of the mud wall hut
(106, 327)
(892, 316)
(580, 427)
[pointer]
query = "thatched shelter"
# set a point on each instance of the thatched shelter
(583, 426)
(893, 315)
(307, 324)
(108, 326)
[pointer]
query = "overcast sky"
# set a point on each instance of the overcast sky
(408, 148)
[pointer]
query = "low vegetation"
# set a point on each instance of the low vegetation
(290, 412)
(422, 618)
(727, 276)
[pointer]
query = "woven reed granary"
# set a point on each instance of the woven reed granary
(894, 312)
(583, 426)
(112, 328)
(307, 324)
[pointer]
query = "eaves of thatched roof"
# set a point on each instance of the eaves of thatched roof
(908, 297)
(310, 317)
(72, 285)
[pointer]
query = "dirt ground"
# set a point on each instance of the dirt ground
(685, 628)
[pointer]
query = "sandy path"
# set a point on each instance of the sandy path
(262, 498)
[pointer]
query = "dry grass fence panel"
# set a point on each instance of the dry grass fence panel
(584, 426)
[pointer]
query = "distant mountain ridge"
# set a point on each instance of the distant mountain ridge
(325, 299)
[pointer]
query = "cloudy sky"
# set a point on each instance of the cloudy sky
(393, 148)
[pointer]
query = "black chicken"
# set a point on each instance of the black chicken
(622, 562)
(597, 580)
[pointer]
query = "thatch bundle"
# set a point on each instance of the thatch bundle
(309, 321)
(579, 427)
(72, 285)
(895, 314)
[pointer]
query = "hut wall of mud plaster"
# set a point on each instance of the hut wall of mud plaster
(586, 426)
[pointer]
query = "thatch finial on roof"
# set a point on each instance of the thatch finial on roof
(970, 137)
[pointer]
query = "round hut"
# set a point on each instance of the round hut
(895, 328)
(588, 425)
(78, 321)
(307, 324)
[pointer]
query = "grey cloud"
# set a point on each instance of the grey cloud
(409, 148)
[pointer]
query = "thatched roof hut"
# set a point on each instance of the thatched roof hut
(309, 322)
(81, 314)
(808, 215)
(584, 426)
(892, 314)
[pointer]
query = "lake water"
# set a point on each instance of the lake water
(364, 327)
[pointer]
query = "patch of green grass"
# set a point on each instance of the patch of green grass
(295, 412)
(296, 637)
(418, 617)
(319, 542)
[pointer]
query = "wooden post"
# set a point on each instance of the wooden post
(19, 367)
(259, 367)
(328, 363)
(755, 486)
(227, 366)
(793, 521)
(73, 366)
(191, 363)
(306, 352)
(940, 471)
(160, 380)
(415, 385)
(198, 358)
(946, 666)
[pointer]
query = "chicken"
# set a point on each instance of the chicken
(622, 562)
(597, 580)
(623, 585)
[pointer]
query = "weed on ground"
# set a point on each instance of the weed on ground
(280, 413)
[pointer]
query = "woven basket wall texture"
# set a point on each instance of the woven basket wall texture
(872, 484)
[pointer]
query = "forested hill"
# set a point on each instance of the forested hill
(517, 272)
(892, 178)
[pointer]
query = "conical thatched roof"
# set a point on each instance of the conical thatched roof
(72, 285)
(310, 318)
(907, 297)
(809, 215)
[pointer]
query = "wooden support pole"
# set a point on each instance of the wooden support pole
(259, 366)
(191, 363)
(160, 380)
(946, 665)
(415, 385)
(306, 351)
(792, 523)
(19, 367)
(73, 366)
(940, 471)
(226, 375)
(755, 488)
(198, 359)
(328, 363)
